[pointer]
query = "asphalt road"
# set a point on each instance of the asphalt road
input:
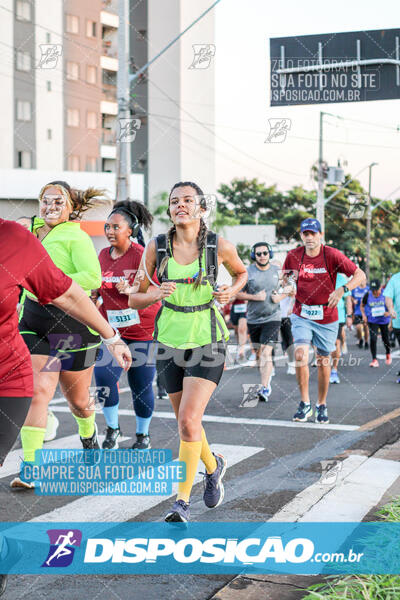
(273, 458)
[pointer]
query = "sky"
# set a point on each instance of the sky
(243, 29)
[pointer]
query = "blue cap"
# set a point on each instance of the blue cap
(310, 225)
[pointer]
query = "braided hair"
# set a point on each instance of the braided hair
(131, 209)
(79, 200)
(201, 236)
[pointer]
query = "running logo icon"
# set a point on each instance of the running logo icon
(250, 395)
(278, 129)
(63, 543)
(203, 54)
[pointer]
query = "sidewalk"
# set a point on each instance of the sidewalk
(353, 480)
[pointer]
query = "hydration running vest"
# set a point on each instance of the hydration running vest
(211, 258)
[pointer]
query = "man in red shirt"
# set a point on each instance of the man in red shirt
(315, 316)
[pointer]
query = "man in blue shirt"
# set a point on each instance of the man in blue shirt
(345, 313)
(392, 299)
(361, 329)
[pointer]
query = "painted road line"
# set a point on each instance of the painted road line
(305, 500)
(380, 420)
(13, 461)
(236, 420)
(122, 508)
(355, 495)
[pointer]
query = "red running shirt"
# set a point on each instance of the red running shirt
(317, 277)
(113, 271)
(23, 262)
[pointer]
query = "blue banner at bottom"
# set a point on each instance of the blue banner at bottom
(207, 548)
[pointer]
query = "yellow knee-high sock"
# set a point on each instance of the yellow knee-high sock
(189, 453)
(206, 455)
(86, 425)
(32, 439)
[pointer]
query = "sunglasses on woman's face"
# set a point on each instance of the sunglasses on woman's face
(262, 253)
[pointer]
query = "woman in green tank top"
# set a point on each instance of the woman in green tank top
(190, 331)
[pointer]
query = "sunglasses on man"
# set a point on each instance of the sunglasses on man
(263, 253)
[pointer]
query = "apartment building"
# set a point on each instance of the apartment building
(59, 100)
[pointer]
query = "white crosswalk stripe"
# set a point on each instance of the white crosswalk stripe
(13, 461)
(122, 508)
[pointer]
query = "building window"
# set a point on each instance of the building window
(91, 163)
(90, 29)
(24, 110)
(73, 163)
(72, 24)
(48, 85)
(48, 38)
(24, 159)
(91, 74)
(49, 134)
(91, 120)
(73, 119)
(23, 61)
(23, 10)
(72, 71)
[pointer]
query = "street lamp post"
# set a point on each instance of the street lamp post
(369, 218)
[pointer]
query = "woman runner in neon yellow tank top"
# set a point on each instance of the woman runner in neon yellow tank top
(188, 363)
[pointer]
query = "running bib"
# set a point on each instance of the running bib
(377, 311)
(314, 312)
(123, 318)
(240, 308)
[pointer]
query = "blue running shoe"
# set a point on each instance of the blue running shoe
(304, 412)
(213, 486)
(322, 414)
(180, 512)
(334, 378)
(264, 393)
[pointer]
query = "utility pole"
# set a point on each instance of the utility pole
(320, 193)
(124, 80)
(369, 219)
(123, 166)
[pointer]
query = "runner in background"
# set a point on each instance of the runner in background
(263, 311)
(377, 317)
(62, 349)
(315, 316)
(286, 306)
(119, 265)
(345, 315)
(52, 421)
(392, 299)
(238, 318)
(361, 329)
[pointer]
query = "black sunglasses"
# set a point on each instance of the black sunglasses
(263, 253)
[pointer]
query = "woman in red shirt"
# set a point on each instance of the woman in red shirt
(24, 263)
(119, 264)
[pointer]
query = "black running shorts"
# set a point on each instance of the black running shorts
(173, 365)
(265, 333)
(49, 331)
